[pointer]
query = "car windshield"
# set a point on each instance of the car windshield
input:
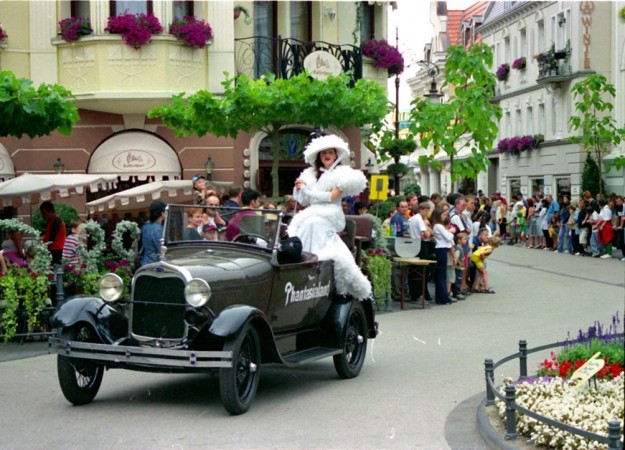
(187, 223)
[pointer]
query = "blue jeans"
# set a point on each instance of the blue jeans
(595, 245)
(563, 235)
(442, 296)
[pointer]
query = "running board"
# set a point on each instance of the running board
(310, 355)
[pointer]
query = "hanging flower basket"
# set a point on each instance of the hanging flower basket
(3, 35)
(503, 72)
(516, 145)
(136, 29)
(193, 32)
(385, 56)
(73, 28)
(519, 63)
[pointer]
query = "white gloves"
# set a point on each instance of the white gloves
(317, 195)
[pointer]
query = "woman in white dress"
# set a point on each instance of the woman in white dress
(320, 188)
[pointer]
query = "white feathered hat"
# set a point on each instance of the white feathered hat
(323, 143)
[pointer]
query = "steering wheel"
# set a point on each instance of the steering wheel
(246, 238)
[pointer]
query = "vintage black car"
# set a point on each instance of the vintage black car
(213, 306)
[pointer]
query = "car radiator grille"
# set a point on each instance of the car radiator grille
(158, 307)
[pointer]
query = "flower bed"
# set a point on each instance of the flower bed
(136, 29)
(586, 406)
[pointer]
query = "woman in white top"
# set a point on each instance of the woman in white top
(444, 243)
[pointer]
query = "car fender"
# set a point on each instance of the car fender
(106, 321)
(335, 323)
(231, 320)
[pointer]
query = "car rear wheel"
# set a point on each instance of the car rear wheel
(238, 383)
(80, 379)
(350, 361)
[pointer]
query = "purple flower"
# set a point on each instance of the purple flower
(3, 34)
(136, 29)
(385, 55)
(73, 28)
(519, 63)
(502, 147)
(195, 33)
(503, 72)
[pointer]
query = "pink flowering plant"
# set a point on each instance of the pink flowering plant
(3, 34)
(385, 55)
(73, 28)
(193, 32)
(518, 144)
(136, 29)
(503, 72)
(519, 63)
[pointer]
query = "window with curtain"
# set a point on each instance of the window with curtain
(80, 8)
(182, 8)
(300, 21)
(132, 7)
(265, 27)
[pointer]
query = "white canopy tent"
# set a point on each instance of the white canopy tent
(170, 191)
(35, 188)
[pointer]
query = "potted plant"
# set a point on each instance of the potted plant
(519, 63)
(3, 34)
(385, 56)
(379, 267)
(73, 28)
(136, 29)
(193, 32)
(241, 9)
(503, 72)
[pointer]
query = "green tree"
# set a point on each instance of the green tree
(268, 104)
(67, 213)
(599, 129)
(591, 176)
(467, 119)
(34, 112)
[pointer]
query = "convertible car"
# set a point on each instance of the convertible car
(211, 305)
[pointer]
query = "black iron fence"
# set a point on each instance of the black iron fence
(614, 440)
(258, 55)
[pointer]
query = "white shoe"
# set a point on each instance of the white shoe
(623, 259)
(566, 251)
(577, 254)
(606, 256)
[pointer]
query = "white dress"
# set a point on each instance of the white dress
(319, 224)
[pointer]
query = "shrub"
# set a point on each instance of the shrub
(67, 213)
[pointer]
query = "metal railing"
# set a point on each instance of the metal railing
(613, 439)
(258, 55)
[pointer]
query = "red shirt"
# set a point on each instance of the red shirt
(59, 239)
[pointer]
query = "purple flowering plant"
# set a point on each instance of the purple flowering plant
(73, 28)
(518, 144)
(385, 55)
(3, 34)
(193, 32)
(136, 29)
(519, 63)
(503, 72)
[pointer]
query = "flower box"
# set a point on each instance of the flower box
(73, 28)
(519, 63)
(136, 29)
(503, 72)
(193, 32)
(385, 56)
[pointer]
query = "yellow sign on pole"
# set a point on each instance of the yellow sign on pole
(379, 187)
(590, 368)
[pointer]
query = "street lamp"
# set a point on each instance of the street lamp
(209, 165)
(433, 94)
(59, 167)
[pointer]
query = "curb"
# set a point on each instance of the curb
(492, 436)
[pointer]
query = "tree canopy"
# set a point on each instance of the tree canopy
(467, 119)
(268, 104)
(34, 112)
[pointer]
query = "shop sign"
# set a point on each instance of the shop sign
(321, 65)
(132, 160)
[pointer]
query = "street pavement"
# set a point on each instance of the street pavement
(419, 389)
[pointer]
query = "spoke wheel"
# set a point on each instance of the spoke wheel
(80, 379)
(238, 383)
(350, 361)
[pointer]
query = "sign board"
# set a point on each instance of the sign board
(590, 367)
(378, 187)
(575, 190)
(321, 65)
(548, 190)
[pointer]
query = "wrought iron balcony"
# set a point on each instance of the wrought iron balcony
(554, 66)
(257, 56)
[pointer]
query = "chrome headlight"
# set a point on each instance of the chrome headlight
(197, 292)
(111, 287)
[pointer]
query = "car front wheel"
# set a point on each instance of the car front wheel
(350, 361)
(80, 379)
(238, 383)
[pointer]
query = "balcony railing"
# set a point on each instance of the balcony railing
(256, 56)
(554, 66)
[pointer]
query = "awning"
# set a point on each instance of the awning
(7, 169)
(136, 154)
(31, 188)
(170, 191)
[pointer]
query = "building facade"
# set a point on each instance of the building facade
(115, 85)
